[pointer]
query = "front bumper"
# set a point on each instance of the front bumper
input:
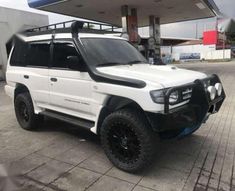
(193, 113)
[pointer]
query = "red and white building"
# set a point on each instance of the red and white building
(213, 45)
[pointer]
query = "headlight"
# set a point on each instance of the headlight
(218, 87)
(174, 97)
(158, 96)
(212, 92)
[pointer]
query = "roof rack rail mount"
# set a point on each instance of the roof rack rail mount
(82, 24)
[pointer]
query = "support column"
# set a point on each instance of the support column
(130, 23)
(125, 13)
(154, 43)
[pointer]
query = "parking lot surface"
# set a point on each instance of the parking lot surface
(59, 156)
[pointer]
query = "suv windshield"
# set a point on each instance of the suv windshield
(109, 52)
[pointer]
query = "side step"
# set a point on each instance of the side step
(87, 124)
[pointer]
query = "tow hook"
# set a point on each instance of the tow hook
(212, 109)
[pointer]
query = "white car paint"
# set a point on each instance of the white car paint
(167, 76)
(76, 94)
(67, 36)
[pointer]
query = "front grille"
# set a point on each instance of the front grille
(187, 93)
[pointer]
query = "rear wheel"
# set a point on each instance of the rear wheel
(127, 140)
(24, 111)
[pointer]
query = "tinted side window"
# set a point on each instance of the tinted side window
(19, 54)
(61, 53)
(39, 55)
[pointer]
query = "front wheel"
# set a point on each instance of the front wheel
(127, 140)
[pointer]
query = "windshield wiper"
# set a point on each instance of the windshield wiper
(119, 63)
(110, 64)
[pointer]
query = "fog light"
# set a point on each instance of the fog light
(212, 91)
(218, 87)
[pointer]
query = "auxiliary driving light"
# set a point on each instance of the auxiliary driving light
(212, 91)
(218, 87)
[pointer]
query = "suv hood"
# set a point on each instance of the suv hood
(166, 76)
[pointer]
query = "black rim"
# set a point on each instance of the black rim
(124, 143)
(23, 112)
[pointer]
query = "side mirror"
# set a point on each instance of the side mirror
(74, 63)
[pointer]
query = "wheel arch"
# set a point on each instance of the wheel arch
(114, 103)
(20, 88)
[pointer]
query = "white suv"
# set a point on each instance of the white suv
(102, 83)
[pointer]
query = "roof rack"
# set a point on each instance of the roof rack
(87, 26)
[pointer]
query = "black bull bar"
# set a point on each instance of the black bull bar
(191, 114)
(200, 95)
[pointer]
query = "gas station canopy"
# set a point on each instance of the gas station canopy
(109, 11)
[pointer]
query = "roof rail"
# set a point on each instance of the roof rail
(86, 25)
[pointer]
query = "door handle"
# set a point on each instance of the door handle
(26, 76)
(54, 79)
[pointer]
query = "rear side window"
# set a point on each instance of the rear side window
(19, 54)
(39, 55)
(32, 55)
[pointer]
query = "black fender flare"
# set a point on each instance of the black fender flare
(115, 103)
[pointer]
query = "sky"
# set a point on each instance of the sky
(191, 29)
(226, 7)
(23, 5)
(194, 29)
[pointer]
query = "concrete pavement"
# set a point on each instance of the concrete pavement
(61, 157)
